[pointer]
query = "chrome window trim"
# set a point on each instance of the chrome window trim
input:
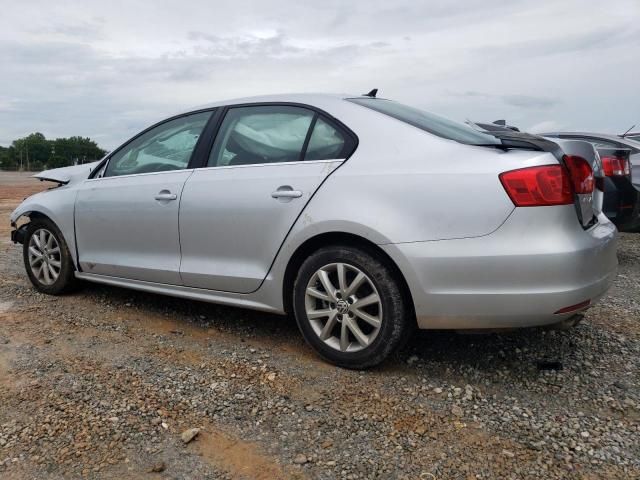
(268, 164)
(277, 164)
(140, 174)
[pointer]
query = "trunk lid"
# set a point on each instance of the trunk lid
(588, 205)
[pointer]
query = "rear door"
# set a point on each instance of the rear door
(266, 163)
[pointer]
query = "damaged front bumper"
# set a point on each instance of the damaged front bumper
(19, 234)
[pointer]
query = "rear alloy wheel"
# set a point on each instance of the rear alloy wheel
(47, 258)
(349, 307)
(346, 316)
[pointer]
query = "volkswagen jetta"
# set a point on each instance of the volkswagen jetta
(360, 216)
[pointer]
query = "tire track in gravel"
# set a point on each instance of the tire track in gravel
(239, 458)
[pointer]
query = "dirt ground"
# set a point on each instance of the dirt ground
(101, 384)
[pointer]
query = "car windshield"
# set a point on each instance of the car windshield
(428, 122)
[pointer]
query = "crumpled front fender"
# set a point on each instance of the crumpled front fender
(56, 204)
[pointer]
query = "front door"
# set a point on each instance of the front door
(265, 164)
(127, 216)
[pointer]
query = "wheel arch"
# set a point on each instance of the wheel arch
(337, 238)
(34, 214)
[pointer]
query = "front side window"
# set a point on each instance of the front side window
(166, 147)
(261, 134)
(428, 122)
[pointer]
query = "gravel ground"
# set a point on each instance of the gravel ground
(102, 383)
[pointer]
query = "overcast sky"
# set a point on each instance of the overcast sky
(106, 69)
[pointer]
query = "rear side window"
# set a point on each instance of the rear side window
(261, 134)
(325, 143)
(428, 122)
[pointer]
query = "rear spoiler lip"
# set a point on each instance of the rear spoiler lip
(527, 140)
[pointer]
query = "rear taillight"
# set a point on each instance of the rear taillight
(580, 172)
(538, 186)
(615, 166)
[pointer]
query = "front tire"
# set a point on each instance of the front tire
(349, 306)
(47, 258)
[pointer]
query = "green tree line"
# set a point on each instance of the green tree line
(34, 152)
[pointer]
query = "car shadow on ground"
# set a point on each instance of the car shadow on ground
(523, 351)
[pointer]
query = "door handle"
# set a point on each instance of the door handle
(286, 192)
(165, 195)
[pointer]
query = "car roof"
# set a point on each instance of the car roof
(303, 98)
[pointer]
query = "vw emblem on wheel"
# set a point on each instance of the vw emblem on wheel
(342, 307)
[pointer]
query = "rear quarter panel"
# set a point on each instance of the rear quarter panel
(405, 185)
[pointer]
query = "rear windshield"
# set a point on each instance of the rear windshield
(428, 121)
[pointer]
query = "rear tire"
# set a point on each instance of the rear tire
(47, 259)
(350, 307)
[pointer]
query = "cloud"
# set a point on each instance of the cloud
(515, 100)
(85, 31)
(108, 69)
(528, 101)
(546, 126)
(561, 43)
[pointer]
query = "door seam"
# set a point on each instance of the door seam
(184, 184)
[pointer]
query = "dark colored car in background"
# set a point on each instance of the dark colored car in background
(619, 155)
(632, 136)
(621, 165)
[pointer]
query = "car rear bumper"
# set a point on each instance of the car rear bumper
(621, 203)
(538, 262)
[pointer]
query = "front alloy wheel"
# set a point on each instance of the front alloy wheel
(350, 306)
(47, 259)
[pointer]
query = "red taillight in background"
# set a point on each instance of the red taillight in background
(538, 186)
(580, 172)
(615, 166)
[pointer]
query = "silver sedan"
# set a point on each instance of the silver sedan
(361, 216)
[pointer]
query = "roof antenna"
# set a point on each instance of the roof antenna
(500, 122)
(372, 93)
(624, 134)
